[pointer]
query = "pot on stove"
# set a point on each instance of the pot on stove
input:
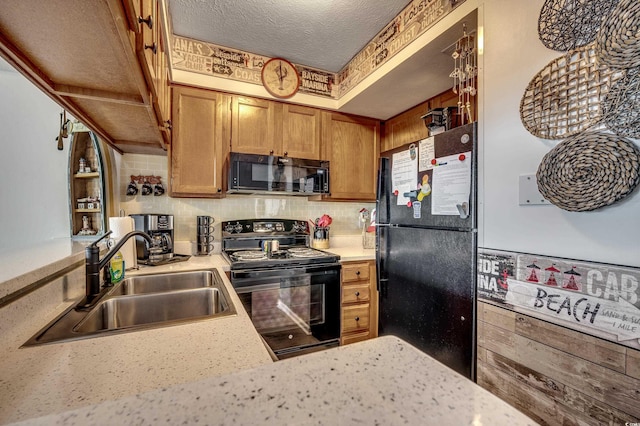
(270, 246)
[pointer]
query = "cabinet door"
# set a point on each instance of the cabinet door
(405, 128)
(200, 142)
(301, 131)
(253, 126)
(351, 144)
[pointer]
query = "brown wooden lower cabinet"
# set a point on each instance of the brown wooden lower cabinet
(359, 311)
(555, 375)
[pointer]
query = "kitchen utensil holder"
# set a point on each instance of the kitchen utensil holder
(320, 238)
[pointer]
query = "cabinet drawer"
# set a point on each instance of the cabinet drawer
(355, 318)
(355, 272)
(355, 337)
(355, 293)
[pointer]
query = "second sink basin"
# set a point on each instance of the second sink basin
(143, 284)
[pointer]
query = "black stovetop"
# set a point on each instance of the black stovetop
(242, 244)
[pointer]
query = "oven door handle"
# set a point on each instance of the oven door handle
(288, 271)
(259, 287)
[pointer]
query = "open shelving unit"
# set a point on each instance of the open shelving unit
(87, 189)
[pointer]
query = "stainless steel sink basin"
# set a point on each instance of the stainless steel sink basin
(143, 284)
(143, 302)
(131, 311)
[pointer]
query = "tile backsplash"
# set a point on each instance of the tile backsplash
(185, 210)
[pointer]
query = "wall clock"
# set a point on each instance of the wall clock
(280, 78)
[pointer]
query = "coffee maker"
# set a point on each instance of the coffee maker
(160, 228)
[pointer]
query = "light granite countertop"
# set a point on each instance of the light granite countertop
(122, 364)
(56, 377)
(349, 248)
(380, 381)
(218, 371)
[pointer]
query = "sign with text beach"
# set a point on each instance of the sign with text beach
(594, 298)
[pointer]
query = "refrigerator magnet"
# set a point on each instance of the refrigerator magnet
(417, 214)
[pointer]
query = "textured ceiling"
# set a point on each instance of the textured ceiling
(323, 34)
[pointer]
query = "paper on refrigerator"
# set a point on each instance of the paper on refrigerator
(451, 184)
(404, 174)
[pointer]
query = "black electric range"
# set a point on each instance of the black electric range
(290, 291)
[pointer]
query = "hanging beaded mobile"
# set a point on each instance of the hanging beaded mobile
(464, 73)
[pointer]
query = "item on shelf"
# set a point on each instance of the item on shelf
(618, 41)
(86, 226)
(563, 99)
(83, 164)
(589, 171)
(566, 24)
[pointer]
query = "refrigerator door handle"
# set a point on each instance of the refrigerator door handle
(381, 252)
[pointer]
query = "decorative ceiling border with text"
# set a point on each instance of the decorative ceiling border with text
(210, 59)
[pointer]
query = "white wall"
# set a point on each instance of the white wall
(34, 195)
(513, 55)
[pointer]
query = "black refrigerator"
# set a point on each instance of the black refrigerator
(426, 246)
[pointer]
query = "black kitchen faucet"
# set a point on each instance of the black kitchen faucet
(93, 265)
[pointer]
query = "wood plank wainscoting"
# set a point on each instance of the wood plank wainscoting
(555, 375)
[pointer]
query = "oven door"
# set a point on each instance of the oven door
(295, 310)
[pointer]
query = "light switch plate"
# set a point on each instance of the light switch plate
(528, 193)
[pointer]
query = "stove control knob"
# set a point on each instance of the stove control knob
(229, 228)
(279, 227)
(237, 227)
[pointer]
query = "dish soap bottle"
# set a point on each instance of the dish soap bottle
(116, 268)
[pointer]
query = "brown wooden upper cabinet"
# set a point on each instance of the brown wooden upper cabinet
(151, 49)
(408, 127)
(351, 144)
(200, 143)
(266, 127)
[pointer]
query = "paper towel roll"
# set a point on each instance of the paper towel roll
(120, 227)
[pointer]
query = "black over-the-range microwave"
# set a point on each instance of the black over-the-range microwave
(269, 174)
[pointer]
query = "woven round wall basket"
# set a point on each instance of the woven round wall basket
(589, 171)
(621, 106)
(563, 99)
(618, 41)
(566, 24)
